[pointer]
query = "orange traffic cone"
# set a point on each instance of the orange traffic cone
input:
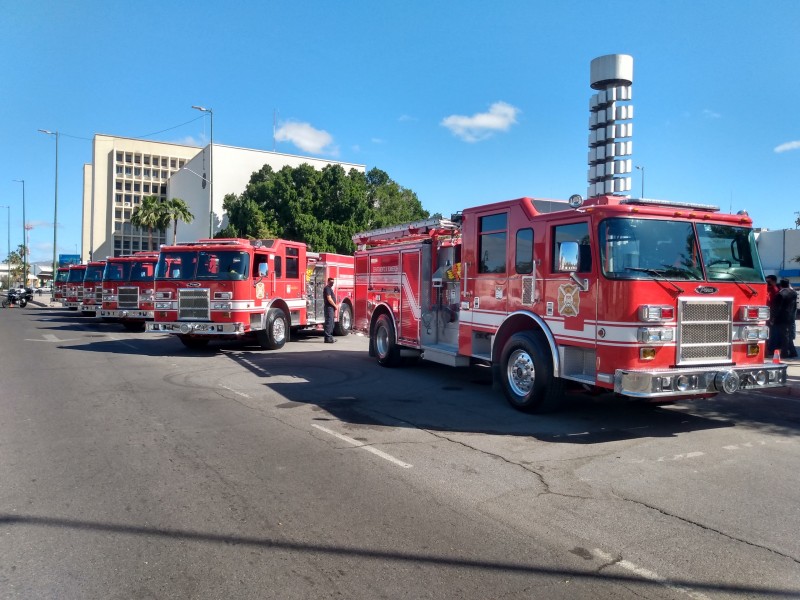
(776, 356)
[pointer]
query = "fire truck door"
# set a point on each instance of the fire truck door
(410, 296)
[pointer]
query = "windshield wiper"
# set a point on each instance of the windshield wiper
(658, 274)
(736, 278)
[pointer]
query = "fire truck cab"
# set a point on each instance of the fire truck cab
(59, 284)
(73, 289)
(234, 288)
(129, 290)
(649, 299)
(92, 288)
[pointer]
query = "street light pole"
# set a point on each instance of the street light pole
(642, 170)
(55, 210)
(211, 172)
(8, 259)
(24, 237)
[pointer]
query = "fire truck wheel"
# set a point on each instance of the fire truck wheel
(345, 322)
(527, 375)
(273, 337)
(385, 344)
(193, 342)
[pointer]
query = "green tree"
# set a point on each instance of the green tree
(322, 208)
(150, 215)
(16, 263)
(174, 210)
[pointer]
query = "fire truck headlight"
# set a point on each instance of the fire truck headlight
(751, 332)
(649, 335)
(760, 377)
(164, 305)
(754, 313)
(223, 295)
(163, 295)
(683, 383)
(648, 312)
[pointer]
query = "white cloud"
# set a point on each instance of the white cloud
(710, 114)
(788, 146)
(480, 126)
(308, 139)
(406, 118)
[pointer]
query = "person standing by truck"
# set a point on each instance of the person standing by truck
(330, 310)
(785, 320)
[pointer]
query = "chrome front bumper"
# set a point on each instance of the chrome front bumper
(127, 314)
(702, 380)
(191, 328)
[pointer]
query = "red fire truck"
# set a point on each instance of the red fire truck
(92, 287)
(59, 284)
(231, 288)
(129, 290)
(73, 289)
(648, 299)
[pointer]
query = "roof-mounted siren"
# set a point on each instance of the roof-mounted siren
(610, 126)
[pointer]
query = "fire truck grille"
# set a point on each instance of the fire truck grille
(527, 290)
(98, 295)
(79, 293)
(193, 305)
(705, 331)
(128, 297)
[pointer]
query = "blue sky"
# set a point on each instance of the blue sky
(465, 102)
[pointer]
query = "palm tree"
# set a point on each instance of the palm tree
(149, 214)
(176, 209)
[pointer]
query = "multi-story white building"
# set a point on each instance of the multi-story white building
(125, 170)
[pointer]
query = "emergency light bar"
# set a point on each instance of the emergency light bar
(673, 203)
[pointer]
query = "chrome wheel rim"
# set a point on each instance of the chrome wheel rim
(520, 372)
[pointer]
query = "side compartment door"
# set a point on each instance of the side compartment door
(410, 297)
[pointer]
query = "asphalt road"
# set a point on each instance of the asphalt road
(131, 467)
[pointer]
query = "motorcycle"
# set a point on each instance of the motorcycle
(18, 296)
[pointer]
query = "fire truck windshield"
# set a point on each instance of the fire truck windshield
(61, 276)
(203, 264)
(141, 271)
(649, 249)
(75, 275)
(656, 249)
(729, 253)
(93, 273)
(116, 271)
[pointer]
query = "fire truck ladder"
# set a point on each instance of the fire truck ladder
(405, 232)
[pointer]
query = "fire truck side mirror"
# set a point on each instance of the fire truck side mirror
(568, 254)
(262, 270)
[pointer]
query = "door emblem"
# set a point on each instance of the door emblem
(706, 289)
(569, 300)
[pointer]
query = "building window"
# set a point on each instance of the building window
(127, 186)
(128, 170)
(181, 163)
(128, 198)
(146, 160)
(119, 156)
(147, 172)
(163, 161)
(137, 187)
(118, 185)
(137, 159)
(164, 174)
(137, 171)
(146, 188)
(118, 197)
(164, 190)
(172, 163)
(119, 169)
(128, 157)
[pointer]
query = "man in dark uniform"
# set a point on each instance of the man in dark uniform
(329, 297)
(786, 318)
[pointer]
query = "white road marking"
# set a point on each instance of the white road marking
(650, 575)
(50, 338)
(238, 393)
(375, 451)
(680, 456)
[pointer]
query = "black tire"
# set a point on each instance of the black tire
(345, 322)
(5, 303)
(526, 375)
(274, 336)
(22, 303)
(386, 348)
(195, 343)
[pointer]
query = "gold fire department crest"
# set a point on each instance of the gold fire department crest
(569, 300)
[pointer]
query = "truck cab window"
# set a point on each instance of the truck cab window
(574, 232)
(523, 254)
(492, 244)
